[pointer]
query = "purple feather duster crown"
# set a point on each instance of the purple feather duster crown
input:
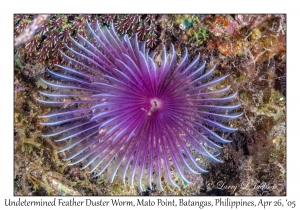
(122, 113)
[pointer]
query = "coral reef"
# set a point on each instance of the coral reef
(28, 33)
(55, 31)
(251, 48)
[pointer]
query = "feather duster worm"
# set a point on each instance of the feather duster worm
(122, 112)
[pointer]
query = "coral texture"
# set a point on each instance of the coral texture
(122, 112)
(44, 42)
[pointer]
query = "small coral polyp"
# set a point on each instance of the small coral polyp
(120, 112)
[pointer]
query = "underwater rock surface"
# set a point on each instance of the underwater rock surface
(236, 44)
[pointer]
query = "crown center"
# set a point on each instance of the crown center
(156, 105)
